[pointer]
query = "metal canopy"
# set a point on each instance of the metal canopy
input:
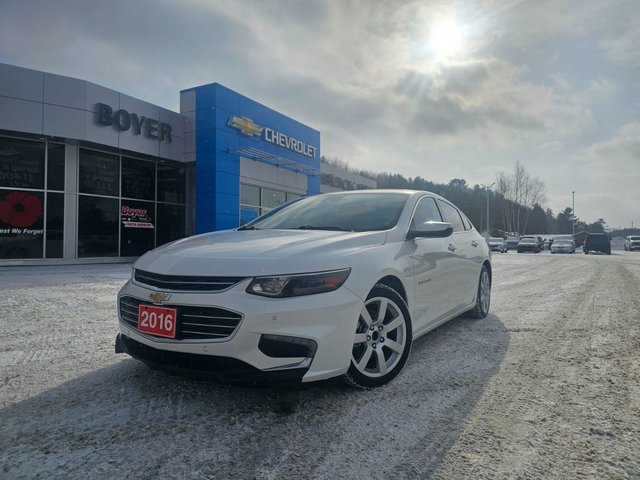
(261, 156)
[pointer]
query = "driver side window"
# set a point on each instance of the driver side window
(426, 211)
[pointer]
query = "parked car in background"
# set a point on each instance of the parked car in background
(323, 286)
(563, 246)
(512, 243)
(597, 242)
(632, 242)
(497, 244)
(528, 244)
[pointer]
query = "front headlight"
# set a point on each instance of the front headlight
(279, 286)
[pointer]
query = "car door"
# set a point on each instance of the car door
(432, 265)
(464, 248)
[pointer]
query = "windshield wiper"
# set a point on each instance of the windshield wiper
(249, 228)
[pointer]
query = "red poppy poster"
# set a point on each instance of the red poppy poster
(21, 224)
(20, 209)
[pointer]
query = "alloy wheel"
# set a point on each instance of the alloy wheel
(380, 339)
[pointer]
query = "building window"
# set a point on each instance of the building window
(272, 198)
(21, 223)
(138, 179)
(55, 225)
(135, 205)
(170, 223)
(55, 167)
(137, 224)
(25, 219)
(171, 184)
(97, 226)
(21, 164)
(256, 201)
(99, 173)
(249, 194)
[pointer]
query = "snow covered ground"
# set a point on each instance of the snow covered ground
(548, 386)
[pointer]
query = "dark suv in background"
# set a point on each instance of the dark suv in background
(597, 242)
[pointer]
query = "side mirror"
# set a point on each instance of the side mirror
(431, 230)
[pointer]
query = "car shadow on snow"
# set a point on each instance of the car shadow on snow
(126, 420)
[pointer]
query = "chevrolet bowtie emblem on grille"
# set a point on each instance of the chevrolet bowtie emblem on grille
(246, 126)
(159, 297)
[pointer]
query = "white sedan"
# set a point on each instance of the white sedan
(328, 285)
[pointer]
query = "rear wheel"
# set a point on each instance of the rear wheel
(382, 339)
(483, 296)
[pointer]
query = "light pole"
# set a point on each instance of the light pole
(488, 188)
(573, 215)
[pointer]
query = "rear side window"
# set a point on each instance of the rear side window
(451, 215)
(426, 211)
(467, 223)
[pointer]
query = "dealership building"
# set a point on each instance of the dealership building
(89, 174)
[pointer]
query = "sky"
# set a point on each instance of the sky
(437, 89)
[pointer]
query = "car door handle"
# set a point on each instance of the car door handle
(452, 247)
(474, 243)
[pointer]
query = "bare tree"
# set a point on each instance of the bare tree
(520, 192)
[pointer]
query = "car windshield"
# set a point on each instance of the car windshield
(563, 242)
(495, 240)
(352, 212)
(634, 239)
(528, 240)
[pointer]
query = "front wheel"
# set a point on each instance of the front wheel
(382, 339)
(483, 296)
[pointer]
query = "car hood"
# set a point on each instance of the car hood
(257, 252)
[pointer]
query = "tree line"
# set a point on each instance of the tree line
(515, 204)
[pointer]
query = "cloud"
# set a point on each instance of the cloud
(622, 46)
(614, 171)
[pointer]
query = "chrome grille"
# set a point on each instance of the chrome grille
(193, 322)
(185, 282)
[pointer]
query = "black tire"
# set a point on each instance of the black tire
(586, 252)
(372, 374)
(481, 309)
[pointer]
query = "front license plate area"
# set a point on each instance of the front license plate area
(158, 321)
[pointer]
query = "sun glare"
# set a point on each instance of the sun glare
(447, 40)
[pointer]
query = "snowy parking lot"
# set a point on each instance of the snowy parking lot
(548, 386)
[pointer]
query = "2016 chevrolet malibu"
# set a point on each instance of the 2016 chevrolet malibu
(328, 285)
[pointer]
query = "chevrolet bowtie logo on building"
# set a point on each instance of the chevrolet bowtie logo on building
(159, 297)
(246, 126)
(269, 135)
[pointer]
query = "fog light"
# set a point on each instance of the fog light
(281, 346)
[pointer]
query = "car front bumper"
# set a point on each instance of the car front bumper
(327, 319)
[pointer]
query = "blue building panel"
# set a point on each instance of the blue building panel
(227, 123)
(205, 118)
(226, 222)
(227, 163)
(227, 183)
(205, 212)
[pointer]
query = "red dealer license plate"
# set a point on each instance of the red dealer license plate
(157, 321)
